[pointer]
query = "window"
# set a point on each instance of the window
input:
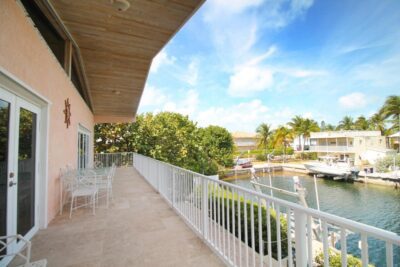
(83, 148)
(53, 39)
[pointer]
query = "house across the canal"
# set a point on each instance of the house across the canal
(359, 146)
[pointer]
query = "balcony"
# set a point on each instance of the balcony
(163, 215)
(139, 229)
(331, 148)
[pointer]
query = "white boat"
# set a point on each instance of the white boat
(332, 168)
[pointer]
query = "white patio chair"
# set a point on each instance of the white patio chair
(84, 186)
(7, 241)
(67, 176)
(104, 185)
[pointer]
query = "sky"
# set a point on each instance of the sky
(239, 63)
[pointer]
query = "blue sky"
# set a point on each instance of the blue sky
(238, 63)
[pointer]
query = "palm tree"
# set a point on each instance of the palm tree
(346, 123)
(282, 136)
(361, 123)
(329, 127)
(296, 125)
(377, 122)
(391, 110)
(307, 127)
(264, 132)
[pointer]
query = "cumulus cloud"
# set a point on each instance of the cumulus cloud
(191, 74)
(187, 105)
(353, 101)
(248, 80)
(152, 97)
(161, 59)
(158, 101)
(244, 116)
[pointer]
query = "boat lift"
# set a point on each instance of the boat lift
(300, 193)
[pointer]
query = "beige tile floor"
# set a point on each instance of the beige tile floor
(139, 229)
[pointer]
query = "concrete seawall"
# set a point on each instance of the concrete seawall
(370, 178)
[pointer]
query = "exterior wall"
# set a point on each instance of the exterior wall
(244, 144)
(24, 54)
(355, 149)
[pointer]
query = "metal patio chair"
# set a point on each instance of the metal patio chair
(7, 241)
(84, 187)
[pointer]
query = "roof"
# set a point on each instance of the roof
(395, 135)
(244, 135)
(339, 134)
(117, 48)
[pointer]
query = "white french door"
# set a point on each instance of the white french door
(19, 143)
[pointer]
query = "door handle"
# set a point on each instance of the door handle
(11, 184)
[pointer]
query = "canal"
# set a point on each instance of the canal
(370, 204)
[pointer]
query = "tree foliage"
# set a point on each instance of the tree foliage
(347, 123)
(169, 137)
(218, 144)
(391, 110)
(264, 132)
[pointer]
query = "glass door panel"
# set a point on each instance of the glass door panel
(26, 171)
(4, 141)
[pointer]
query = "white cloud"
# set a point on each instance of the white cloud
(258, 59)
(304, 73)
(187, 105)
(216, 8)
(162, 58)
(279, 13)
(353, 101)
(245, 116)
(152, 97)
(191, 75)
(249, 79)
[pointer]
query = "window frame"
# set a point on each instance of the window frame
(84, 148)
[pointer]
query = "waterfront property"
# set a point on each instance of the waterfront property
(245, 141)
(64, 66)
(358, 146)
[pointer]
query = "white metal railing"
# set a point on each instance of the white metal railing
(107, 159)
(331, 148)
(249, 231)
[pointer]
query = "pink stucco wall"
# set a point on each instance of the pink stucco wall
(24, 54)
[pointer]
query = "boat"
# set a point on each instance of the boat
(332, 168)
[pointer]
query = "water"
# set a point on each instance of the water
(370, 204)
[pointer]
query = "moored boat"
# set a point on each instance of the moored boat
(333, 169)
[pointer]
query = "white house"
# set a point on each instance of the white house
(356, 145)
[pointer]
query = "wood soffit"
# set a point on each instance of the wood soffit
(117, 47)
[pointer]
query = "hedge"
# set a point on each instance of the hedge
(227, 196)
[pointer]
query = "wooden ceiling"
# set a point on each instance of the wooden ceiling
(117, 47)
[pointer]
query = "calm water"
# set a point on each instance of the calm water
(370, 204)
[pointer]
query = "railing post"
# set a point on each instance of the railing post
(204, 206)
(158, 176)
(300, 237)
(173, 188)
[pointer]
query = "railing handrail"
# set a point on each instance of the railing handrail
(331, 218)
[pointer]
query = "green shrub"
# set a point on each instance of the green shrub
(335, 260)
(226, 197)
(307, 156)
(383, 164)
(261, 157)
